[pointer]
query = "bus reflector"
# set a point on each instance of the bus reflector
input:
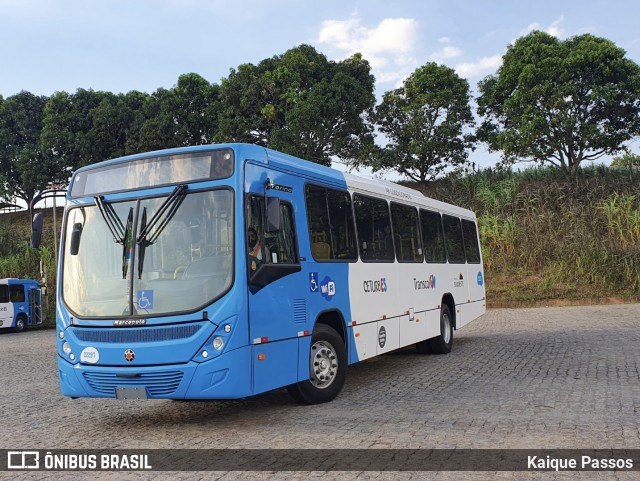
(303, 333)
(262, 357)
(357, 334)
(260, 340)
(353, 323)
(384, 316)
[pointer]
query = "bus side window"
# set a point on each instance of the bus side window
(331, 228)
(453, 236)
(405, 229)
(432, 236)
(374, 229)
(16, 293)
(471, 247)
(318, 221)
(4, 293)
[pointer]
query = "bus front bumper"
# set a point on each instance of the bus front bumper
(227, 376)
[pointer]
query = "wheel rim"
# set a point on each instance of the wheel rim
(324, 364)
(446, 328)
(20, 324)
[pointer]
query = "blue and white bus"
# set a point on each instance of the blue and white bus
(20, 304)
(224, 271)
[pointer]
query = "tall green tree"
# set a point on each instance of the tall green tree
(89, 126)
(301, 103)
(428, 123)
(184, 115)
(115, 125)
(67, 132)
(560, 102)
(24, 168)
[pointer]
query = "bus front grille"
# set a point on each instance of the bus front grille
(131, 335)
(156, 383)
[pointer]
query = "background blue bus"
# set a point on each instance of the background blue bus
(224, 271)
(20, 304)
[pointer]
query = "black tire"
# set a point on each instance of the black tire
(440, 344)
(21, 324)
(327, 368)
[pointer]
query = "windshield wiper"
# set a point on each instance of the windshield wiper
(149, 232)
(111, 219)
(126, 257)
(121, 234)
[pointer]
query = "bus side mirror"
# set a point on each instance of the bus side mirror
(36, 230)
(273, 214)
(76, 233)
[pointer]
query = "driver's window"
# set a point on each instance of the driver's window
(255, 234)
(272, 247)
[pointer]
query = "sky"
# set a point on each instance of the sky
(122, 45)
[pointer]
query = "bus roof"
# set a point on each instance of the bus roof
(376, 187)
(311, 170)
(14, 280)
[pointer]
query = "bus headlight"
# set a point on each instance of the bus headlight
(61, 334)
(218, 343)
(66, 348)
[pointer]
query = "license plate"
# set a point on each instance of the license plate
(131, 393)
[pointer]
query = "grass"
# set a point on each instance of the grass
(549, 238)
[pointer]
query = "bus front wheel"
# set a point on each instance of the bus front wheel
(21, 324)
(327, 368)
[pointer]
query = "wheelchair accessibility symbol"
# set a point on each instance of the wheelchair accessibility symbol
(145, 299)
(313, 282)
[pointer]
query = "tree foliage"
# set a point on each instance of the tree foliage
(628, 160)
(183, 115)
(302, 104)
(68, 129)
(427, 122)
(24, 168)
(560, 102)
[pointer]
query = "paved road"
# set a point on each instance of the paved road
(517, 378)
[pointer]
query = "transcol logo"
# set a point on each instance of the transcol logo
(378, 285)
(426, 284)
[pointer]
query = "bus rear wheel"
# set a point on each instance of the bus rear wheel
(21, 324)
(327, 368)
(440, 344)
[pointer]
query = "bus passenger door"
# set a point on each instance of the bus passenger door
(35, 306)
(275, 291)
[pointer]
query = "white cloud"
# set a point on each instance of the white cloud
(483, 66)
(446, 53)
(392, 35)
(553, 29)
(444, 40)
(387, 46)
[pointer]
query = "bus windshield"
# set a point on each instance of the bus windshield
(183, 264)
